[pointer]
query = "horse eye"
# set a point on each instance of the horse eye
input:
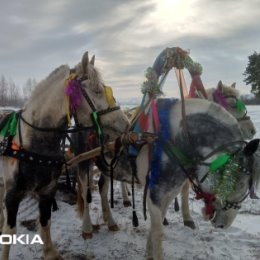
(98, 92)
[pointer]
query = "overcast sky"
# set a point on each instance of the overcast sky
(126, 36)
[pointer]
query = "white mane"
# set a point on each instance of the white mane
(42, 103)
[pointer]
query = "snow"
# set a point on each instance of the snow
(241, 241)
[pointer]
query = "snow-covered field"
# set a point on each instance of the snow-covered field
(241, 241)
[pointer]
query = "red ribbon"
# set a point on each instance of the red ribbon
(197, 86)
(208, 199)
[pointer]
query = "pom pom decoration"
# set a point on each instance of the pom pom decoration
(73, 93)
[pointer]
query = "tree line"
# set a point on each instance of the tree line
(12, 95)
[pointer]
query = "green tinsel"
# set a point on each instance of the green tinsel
(193, 67)
(151, 85)
(226, 178)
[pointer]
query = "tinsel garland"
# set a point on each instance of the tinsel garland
(169, 58)
(225, 176)
(193, 67)
(151, 85)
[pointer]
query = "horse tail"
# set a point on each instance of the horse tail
(80, 201)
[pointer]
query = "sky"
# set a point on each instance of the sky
(126, 36)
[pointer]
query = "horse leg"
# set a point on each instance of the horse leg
(103, 185)
(11, 204)
(49, 251)
(154, 243)
(187, 219)
(125, 193)
(83, 204)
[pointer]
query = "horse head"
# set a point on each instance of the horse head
(229, 97)
(231, 184)
(98, 99)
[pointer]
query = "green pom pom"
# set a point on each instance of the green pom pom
(240, 106)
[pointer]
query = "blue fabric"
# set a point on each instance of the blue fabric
(159, 63)
(164, 134)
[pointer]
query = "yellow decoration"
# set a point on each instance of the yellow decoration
(109, 96)
(72, 76)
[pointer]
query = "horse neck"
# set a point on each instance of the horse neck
(45, 109)
(214, 120)
(47, 105)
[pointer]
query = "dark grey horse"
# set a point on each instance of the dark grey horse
(211, 136)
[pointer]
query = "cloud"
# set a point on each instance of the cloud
(126, 37)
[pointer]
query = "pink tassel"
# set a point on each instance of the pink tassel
(73, 91)
(219, 98)
(155, 116)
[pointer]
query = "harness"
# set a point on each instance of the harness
(220, 99)
(183, 161)
(7, 147)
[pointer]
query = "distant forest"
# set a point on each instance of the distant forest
(250, 101)
(13, 95)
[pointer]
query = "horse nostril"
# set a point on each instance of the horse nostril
(220, 226)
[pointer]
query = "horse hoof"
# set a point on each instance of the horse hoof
(165, 222)
(86, 235)
(127, 203)
(55, 256)
(190, 224)
(96, 228)
(113, 228)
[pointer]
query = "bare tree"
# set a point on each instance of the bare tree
(14, 97)
(28, 88)
(3, 91)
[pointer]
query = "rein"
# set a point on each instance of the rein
(55, 130)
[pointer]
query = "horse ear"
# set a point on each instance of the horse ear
(233, 85)
(251, 147)
(92, 61)
(85, 62)
(220, 85)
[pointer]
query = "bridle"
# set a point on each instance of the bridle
(95, 115)
(196, 185)
(244, 116)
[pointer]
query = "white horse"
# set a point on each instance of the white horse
(35, 145)
(229, 98)
(213, 135)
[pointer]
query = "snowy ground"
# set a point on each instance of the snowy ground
(241, 241)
